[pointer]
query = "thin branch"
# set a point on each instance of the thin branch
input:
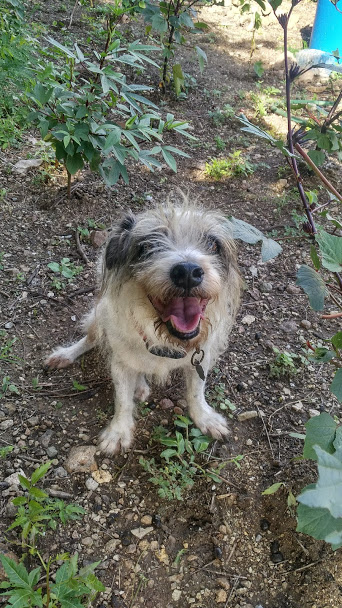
(80, 248)
(319, 174)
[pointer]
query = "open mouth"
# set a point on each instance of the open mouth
(182, 316)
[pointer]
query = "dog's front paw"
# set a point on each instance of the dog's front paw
(142, 390)
(58, 359)
(210, 422)
(116, 438)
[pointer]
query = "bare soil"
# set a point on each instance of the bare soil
(241, 548)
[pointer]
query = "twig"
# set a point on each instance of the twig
(266, 431)
(83, 290)
(334, 315)
(319, 174)
(80, 248)
(3, 293)
(72, 13)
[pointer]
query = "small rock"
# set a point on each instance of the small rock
(247, 415)
(46, 438)
(166, 404)
(146, 520)
(289, 327)
(11, 509)
(266, 287)
(313, 413)
(13, 480)
(178, 410)
(305, 323)
(176, 595)
(9, 325)
(249, 442)
(33, 421)
(91, 484)
(6, 424)
(293, 290)
(224, 583)
(22, 166)
(280, 185)
(276, 558)
(248, 320)
(87, 541)
(52, 451)
(141, 532)
(81, 459)
(112, 545)
(297, 407)
(221, 596)
(61, 472)
(102, 476)
(98, 238)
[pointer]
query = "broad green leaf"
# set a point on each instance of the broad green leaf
(331, 250)
(245, 232)
(320, 431)
(40, 472)
(327, 493)
(159, 23)
(168, 453)
(337, 340)
(202, 58)
(38, 493)
(336, 385)
(41, 93)
(270, 249)
(24, 482)
(319, 524)
(322, 355)
(74, 163)
(317, 156)
(17, 573)
(314, 256)
(169, 159)
(313, 285)
(272, 489)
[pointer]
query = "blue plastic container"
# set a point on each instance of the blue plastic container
(327, 29)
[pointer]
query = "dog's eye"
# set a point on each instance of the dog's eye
(145, 249)
(213, 245)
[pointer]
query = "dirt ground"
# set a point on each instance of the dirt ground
(240, 548)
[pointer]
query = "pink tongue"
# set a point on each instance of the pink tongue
(184, 313)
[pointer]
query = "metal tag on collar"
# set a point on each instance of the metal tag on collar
(165, 351)
(197, 362)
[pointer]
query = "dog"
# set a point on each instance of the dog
(169, 293)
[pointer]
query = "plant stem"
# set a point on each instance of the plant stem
(69, 185)
(319, 174)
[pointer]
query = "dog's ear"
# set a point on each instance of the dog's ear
(118, 244)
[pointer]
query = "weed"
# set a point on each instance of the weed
(37, 512)
(6, 348)
(219, 117)
(66, 269)
(219, 401)
(220, 144)
(233, 166)
(179, 466)
(286, 364)
(6, 450)
(8, 388)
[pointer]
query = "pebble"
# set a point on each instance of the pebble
(176, 595)
(248, 320)
(297, 407)
(141, 532)
(6, 424)
(51, 451)
(305, 323)
(166, 404)
(146, 520)
(11, 509)
(102, 476)
(223, 582)
(87, 541)
(247, 415)
(221, 596)
(288, 327)
(46, 438)
(313, 413)
(293, 289)
(266, 287)
(33, 421)
(81, 459)
(61, 472)
(249, 442)
(9, 325)
(91, 484)
(112, 545)
(13, 480)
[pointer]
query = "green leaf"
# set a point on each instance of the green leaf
(250, 234)
(270, 249)
(322, 355)
(317, 156)
(17, 573)
(337, 340)
(178, 78)
(159, 23)
(202, 58)
(62, 48)
(314, 256)
(327, 493)
(272, 489)
(169, 159)
(167, 454)
(331, 250)
(336, 385)
(37, 493)
(40, 472)
(313, 285)
(54, 266)
(319, 524)
(41, 93)
(320, 431)
(74, 163)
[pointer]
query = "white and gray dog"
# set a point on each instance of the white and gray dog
(169, 293)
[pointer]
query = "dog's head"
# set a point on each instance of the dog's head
(175, 262)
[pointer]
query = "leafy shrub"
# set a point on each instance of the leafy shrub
(233, 166)
(90, 114)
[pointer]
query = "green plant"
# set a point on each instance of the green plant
(37, 512)
(6, 348)
(220, 144)
(319, 513)
(285, 364)
(220, 116)
(218, 399)
(8, 387)
(72, 587)
(172, 19)
(6, 450)
(258, 68)
(66, 269)
(233, 166)
(179, 466)
(90, 114)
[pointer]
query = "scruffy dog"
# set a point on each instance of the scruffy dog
(169, 294)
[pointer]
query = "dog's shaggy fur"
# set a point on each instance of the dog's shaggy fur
(170, 287)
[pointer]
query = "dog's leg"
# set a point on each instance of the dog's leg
(66, 355)
(142, 389)
(118, 435)
(203, 416)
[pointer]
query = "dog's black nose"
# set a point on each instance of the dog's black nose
(186, 275)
